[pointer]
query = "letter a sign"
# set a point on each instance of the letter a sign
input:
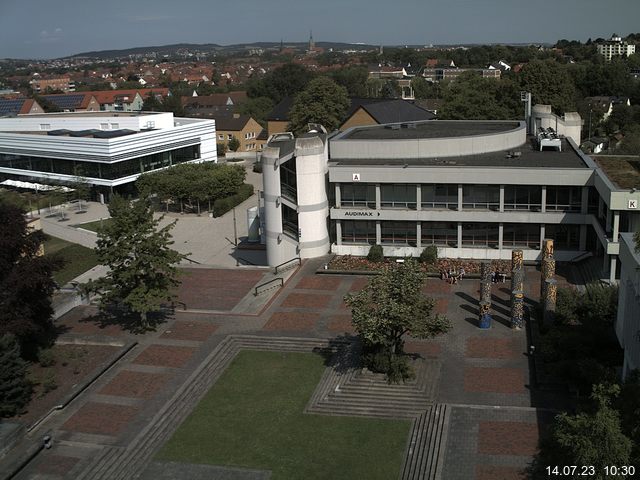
(356, 177)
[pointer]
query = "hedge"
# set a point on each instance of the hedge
(223, 205)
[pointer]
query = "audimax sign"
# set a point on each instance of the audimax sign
(359, 213)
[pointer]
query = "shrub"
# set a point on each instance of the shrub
(223, 205)
(429, 255)
(257, 167)
(375, 254)
(395, 366)
(221, 148)
(46, 358)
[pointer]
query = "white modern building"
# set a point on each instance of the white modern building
(615, 47)
(108, 149)
(475, 189)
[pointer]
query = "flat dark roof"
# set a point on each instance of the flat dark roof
(430, 129)
(530, 157)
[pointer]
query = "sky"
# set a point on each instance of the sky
(46, 29)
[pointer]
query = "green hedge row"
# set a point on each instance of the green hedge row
(223, 205)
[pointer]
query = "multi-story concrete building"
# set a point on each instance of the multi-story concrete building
(628, 321)
(41, 85)
(475, 189)
(109, 150)
(615, 47)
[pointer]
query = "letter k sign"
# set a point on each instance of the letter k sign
(633, 204)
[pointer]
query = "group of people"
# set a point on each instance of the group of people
(498, 277)
(452, 275)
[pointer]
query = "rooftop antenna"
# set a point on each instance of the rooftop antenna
(526, 98)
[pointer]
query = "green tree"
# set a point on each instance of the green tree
(233, 144)
(257, 108)
(391, 306)
(550, 84)
(592, 438)
(471, 97)
(354, 79)
(142, 265)
(323, 102)
(81, 186)
(26, 282)
(15, 388)
(286, 80)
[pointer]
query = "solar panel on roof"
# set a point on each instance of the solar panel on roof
(113, 133)
(11, 107)
(66, 102)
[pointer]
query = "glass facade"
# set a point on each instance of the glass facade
(523, 197)
(565, 237)
(290, 221)
(564, 199)
(521, 235)
(398, 233)
(437, 233)
(482, 197)
(398, 196)
(358, 232)
(439, 196)
(288, 180)
(480, 235)
(358, 195)
(102, 170)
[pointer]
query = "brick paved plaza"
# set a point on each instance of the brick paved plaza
(483, 375)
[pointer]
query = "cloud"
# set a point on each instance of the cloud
(47, 36)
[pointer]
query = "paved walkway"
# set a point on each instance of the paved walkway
(494, 411)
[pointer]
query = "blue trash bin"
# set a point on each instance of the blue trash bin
(485, 321)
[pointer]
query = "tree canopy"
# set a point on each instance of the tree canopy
(142, 266)
(550, 84)
(323, 101)
(593, 438)
(391, 306)
(26, 282)
(286, 80)
(187, 182)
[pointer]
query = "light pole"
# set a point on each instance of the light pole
(590, 110)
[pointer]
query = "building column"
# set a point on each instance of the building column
(584, 207)
(378, 197)
(500, 235)
(460, 196)
(543, 201)
(501, 207)
(338, 195)
(583, 238)
(459, 235)
(542, 235)
(612, 269)
(419, 234)
(338, 232)
(418, 197)
(616, 226)
(378, 233)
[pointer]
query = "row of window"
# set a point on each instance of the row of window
(485, 235)
(107, 171)
(482, 197)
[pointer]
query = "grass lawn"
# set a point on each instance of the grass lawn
(78, 259)
(253, 418)
(93, 226)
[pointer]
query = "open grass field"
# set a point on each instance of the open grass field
(78, 259)
(253, 418)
